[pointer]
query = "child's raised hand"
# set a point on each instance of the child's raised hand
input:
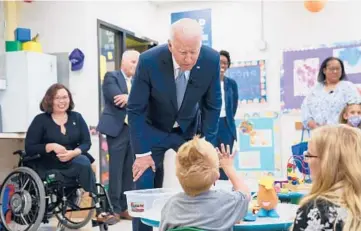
(225, 156)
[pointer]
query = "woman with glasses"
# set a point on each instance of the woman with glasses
(332, 93)
(334, 202)
(61, 137)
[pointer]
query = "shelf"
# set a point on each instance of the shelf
(13, 135)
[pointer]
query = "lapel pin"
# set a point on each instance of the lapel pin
(74, 123)
(198, 67)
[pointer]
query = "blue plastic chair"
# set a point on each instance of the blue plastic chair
(185, 229)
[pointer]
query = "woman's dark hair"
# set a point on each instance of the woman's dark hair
(322, 77)
(226, 54)
(46, 104)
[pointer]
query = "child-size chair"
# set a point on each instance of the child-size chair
(186, 229)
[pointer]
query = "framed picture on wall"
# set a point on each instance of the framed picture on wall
(250, 77)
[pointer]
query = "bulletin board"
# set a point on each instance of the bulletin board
(251, 80)
(300, 68)
(259, 151)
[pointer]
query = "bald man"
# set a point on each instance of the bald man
(114, 124)
(172, 84)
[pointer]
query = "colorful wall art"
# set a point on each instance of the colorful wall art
(259, 144)
(300, 70)
(251, 80)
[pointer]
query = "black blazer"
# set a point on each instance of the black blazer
(111, 121)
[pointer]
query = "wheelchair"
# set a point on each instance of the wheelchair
(29, 199)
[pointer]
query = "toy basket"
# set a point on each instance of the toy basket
(139, 201)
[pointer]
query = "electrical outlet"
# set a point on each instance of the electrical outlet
(2, 84)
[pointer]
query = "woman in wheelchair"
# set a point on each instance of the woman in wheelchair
(61, 137)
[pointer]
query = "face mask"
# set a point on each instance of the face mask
(354, 120)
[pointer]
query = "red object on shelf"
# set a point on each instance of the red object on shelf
(29, 1)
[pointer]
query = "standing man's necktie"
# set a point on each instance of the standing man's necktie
(181, 85)
(129, 87)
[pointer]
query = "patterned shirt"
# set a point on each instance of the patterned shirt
(320, 215)
(325, 107)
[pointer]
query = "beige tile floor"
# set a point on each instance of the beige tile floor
(121, 226)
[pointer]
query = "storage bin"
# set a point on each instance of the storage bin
(140, 201)
(32, 46)
(22, 34)
(12, 46)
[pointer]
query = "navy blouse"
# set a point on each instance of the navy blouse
(44, 130)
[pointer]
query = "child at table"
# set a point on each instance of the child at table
(351, 115)
(197, 169)
(334, 202)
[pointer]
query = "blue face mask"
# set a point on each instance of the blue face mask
(354, 120)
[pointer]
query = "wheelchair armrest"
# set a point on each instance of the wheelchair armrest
(21, 153)
(24, 157)
(29, 158)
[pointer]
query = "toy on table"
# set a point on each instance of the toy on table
(267, 198)
(253, 209)
(266, 203)
(296, 183)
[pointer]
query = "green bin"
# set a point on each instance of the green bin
(13, 46)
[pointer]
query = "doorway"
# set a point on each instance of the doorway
(112, 42)
(138, 44)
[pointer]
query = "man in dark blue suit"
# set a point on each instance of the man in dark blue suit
(227, 126)
(114, 124)
(170, 84)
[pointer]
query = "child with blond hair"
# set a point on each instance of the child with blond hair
(197, 169)
(334, 202)
(351, 115)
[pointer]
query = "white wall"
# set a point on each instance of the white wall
(2, 40)
(236, 27)
(65, 25)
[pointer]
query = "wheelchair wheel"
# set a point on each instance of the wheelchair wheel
(26, 205)
(75, 219)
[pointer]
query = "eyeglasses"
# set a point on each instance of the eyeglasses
(308, 155)
(64, 98)
(224, 63)
(334, 69)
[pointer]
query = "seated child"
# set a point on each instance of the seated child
(197, 169)
(351, 115)
(334, 202)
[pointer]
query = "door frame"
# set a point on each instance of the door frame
(121, 35)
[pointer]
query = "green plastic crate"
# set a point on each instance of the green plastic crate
(13, 46)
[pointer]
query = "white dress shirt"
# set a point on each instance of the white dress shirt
(223, 108)
(127, 79)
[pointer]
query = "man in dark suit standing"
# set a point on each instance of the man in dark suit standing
(170, 84)
(114, 124)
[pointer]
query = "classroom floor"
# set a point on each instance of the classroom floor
(122, 225)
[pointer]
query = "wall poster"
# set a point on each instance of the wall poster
(300, 70)
(204, 17)
(259, 152)
(251, 81)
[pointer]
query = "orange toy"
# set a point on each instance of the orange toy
(267, 198)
